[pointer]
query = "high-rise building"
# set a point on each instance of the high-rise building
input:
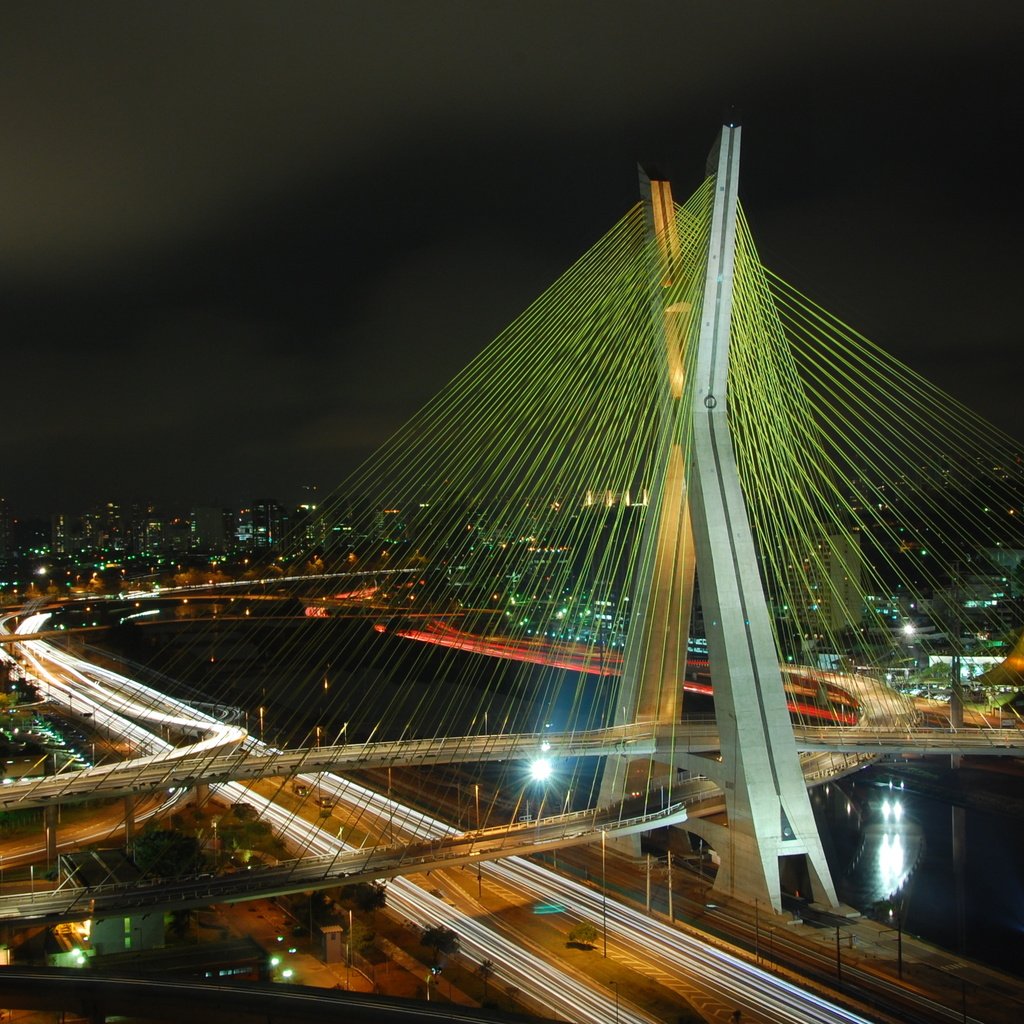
(210, 528)
(60, 534)
(262, 525)
(5, 529)
(824, 589)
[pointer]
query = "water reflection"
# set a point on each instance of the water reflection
(888, 845)
(877, 842)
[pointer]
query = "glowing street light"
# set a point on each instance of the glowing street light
(540, 769)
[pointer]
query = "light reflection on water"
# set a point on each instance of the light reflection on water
(887, 843)
(883, 844)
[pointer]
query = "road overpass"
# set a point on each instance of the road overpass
(71, 903)
(185, 767)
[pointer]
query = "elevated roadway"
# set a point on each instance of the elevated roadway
(224, 752)
(71, 903)
(245, 759)
(101, 997)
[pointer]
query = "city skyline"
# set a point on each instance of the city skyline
(239, 256)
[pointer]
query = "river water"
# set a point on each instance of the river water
(889, 835)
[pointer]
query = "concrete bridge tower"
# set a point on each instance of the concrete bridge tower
(770, 840)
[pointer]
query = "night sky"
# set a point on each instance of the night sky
(240, 243)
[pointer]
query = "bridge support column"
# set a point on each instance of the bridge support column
(200, 794)
(50, 814)
(956, 705)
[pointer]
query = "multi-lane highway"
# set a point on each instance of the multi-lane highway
(726, 981)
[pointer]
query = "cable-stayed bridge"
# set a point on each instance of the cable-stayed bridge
(182, 769)
(670, 443)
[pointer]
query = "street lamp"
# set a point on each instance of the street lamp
(604, 897)
(348, 957)
(479, 876)
(897, 913)
(615, 985)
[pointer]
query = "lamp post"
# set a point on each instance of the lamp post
(604, 897)
(319, 791)
(647, 902)
(479, 869)
(671, 910)
(899, 944)
(348, 954)
(615, 985)
(262, 709)
(896, 912)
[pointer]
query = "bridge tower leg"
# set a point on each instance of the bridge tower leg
(770, 820)
(655, 657)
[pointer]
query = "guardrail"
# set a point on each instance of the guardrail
(74, 903)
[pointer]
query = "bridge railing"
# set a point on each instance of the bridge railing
(340, 868)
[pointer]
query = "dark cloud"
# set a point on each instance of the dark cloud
(241, 242)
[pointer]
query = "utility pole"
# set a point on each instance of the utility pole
(671, 915)
(899, 943)
(648, 884)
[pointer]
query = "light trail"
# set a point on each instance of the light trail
(727, 978)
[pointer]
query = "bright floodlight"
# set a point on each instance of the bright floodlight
(540, 770)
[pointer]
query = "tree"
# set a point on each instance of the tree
(484, 970)
(440, 940)
(167, 853)
(181, 921)
(366, 896)
(362, 938)
(583, 934)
